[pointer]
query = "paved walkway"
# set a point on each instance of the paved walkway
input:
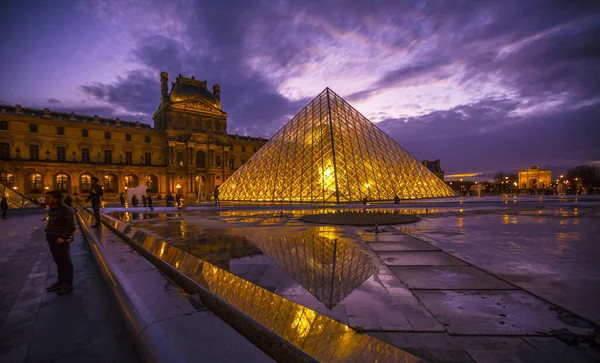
(483, 318)
(36, 326)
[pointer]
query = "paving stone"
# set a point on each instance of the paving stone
(448, 277)
(501, 312)
(433, 258)
(407, 245)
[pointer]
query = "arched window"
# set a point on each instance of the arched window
(85, 183)
(131, 181)
(201, 159)
(36, 183)
(109, 183)
(151, 182)
(62, 183)
(7, 179)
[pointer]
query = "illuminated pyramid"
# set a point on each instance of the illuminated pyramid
(329, 152)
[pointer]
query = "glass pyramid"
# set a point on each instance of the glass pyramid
(329, 152)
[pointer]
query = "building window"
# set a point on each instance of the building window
(34, 152)
(61, 153)
(231, 163)
(243, 149)
(85, 155)
(147, 138)
(127, 137)
(179, 138)
(3, 125)
(180, 159)
(60, 130)
(218, 161)
(84, 133)
(85, 183)
(33, 128)
(148, 158)
(108, 156)
(131, 181)
(128, 157)
(109, 181)
(151, 186)
(36, 183)
(107, 135)
(62, 183)
(7, 179)
(4, 151)
(201, 159)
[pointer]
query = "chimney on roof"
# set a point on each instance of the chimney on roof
(46, 113)
(217, 91)
(96, 119)
(18, 109)
(164, 87)
(72, 117)
(137, 125)
(118, 120)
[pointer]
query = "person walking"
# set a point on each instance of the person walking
(4, 207)
(178, 200)
(144, 200)
(134, 201)
(42, 201)
(95, 196)
(216, 195)
(59, 233)
(122, 200)
(149, 200)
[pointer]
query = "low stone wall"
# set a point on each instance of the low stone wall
(166, 324)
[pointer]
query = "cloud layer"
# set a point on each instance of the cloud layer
(481, 85)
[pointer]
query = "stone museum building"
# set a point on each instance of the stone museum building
(188, 151)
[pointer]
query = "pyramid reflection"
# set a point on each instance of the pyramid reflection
(329, 152)
(326, 264)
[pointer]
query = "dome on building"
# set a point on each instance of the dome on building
(189, 89)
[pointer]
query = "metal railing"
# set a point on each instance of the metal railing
(16, 199)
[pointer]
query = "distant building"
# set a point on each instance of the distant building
(535, 178)
(435, 167)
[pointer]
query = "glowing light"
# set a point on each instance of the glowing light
(15, 188)
(178, 186)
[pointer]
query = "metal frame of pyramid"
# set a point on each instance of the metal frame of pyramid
(329, 152)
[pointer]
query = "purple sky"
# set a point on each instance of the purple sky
(482, 85)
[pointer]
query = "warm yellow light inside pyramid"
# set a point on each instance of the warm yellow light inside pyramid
(329, 152)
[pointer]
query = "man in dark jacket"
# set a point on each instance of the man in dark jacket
(59, 233)
(96, 198)
(4, 207)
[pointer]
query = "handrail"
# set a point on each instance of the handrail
(15, 198)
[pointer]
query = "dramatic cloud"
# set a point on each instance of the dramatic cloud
(486, 84)
(53, 101)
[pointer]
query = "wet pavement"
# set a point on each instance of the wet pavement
(463, 270)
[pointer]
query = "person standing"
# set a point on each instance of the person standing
(68, 201)
(178, 200)
(4, 206)
(144, 202)
(59, 233)
(122, 200)
(95, 196)
(42, 201)
(216, 195)
(149, 200)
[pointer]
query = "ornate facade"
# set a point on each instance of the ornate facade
(188, 151)
(535, 178)
(435, 167)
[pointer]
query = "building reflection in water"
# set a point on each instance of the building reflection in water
(325, 263)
